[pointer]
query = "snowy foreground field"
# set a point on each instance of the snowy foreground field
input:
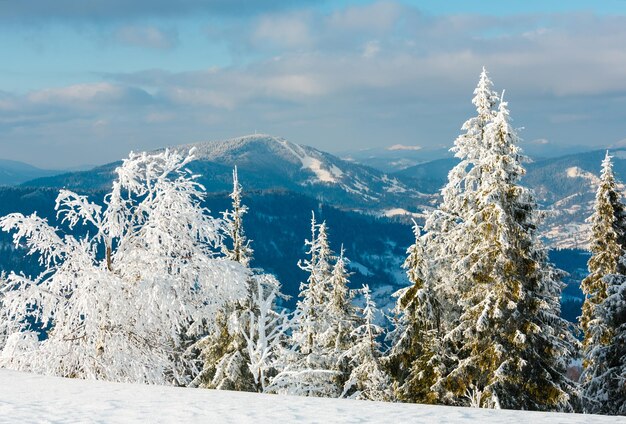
(26, 398)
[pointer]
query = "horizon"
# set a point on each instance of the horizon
(87, 85)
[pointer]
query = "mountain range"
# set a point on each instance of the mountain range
(368, 210)
(13, 172)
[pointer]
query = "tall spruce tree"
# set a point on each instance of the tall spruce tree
(603, 315)
(367, 379)
(224, 352)
(340, 317)
(242, 353)
(459, 201)
(604, 378)
(606, 246)
(430, 308)
(414, 360)
(512, 345)
(308, 367)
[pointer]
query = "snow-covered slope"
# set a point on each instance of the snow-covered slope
(28, 398)
(266, 162)
(310, 171)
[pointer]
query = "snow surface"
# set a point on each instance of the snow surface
(34, 398)
(576, 172)
(313, 164)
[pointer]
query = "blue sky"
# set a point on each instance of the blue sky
(88, 84)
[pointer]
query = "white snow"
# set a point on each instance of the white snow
(576, 172)
(389, 213)
(313, 164)
(34, 398)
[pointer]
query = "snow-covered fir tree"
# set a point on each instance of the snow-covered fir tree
(443, 233)
(340, 318)
(122, 302)
(512, 346)
(240, 251)
(314, 293)
(367, 380)
(224, 352)
(414, 359)
(607, 233)
(241, 353)
(309, 362)
(604, 378)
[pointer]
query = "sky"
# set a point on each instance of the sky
(87, 82)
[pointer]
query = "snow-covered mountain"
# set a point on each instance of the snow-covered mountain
(267, 162)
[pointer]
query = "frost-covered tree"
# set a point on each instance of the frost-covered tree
(314, 293)
(604, 378)
(607, 233)
(308, 365)
(240, 251)
(266, 330)
(443, 232)
(241, 353)
(603, 318)
(224, 352)
(255, 334)
(512, 344)
(367, 380)
(340, 318)
(121, 302)
(414, 360)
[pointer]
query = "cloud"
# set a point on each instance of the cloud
(286, 30)
(403, 147)
(147, 36)
(345, 79)
(99, 10)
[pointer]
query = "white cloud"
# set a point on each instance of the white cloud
(285, 30)
(371, 49)
(147, 36)
(358, 77)
(77, 93)
(403, 147)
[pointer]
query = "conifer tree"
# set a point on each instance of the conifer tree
(224, 351)
(513, 346)
(309, 366)
(240, 354)
(413, 360)
(314, 292)
(606, 246)
(443, 232)
(603, 316)
(340, 317)
(604, 378)
(240, 251)
(368, 379)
